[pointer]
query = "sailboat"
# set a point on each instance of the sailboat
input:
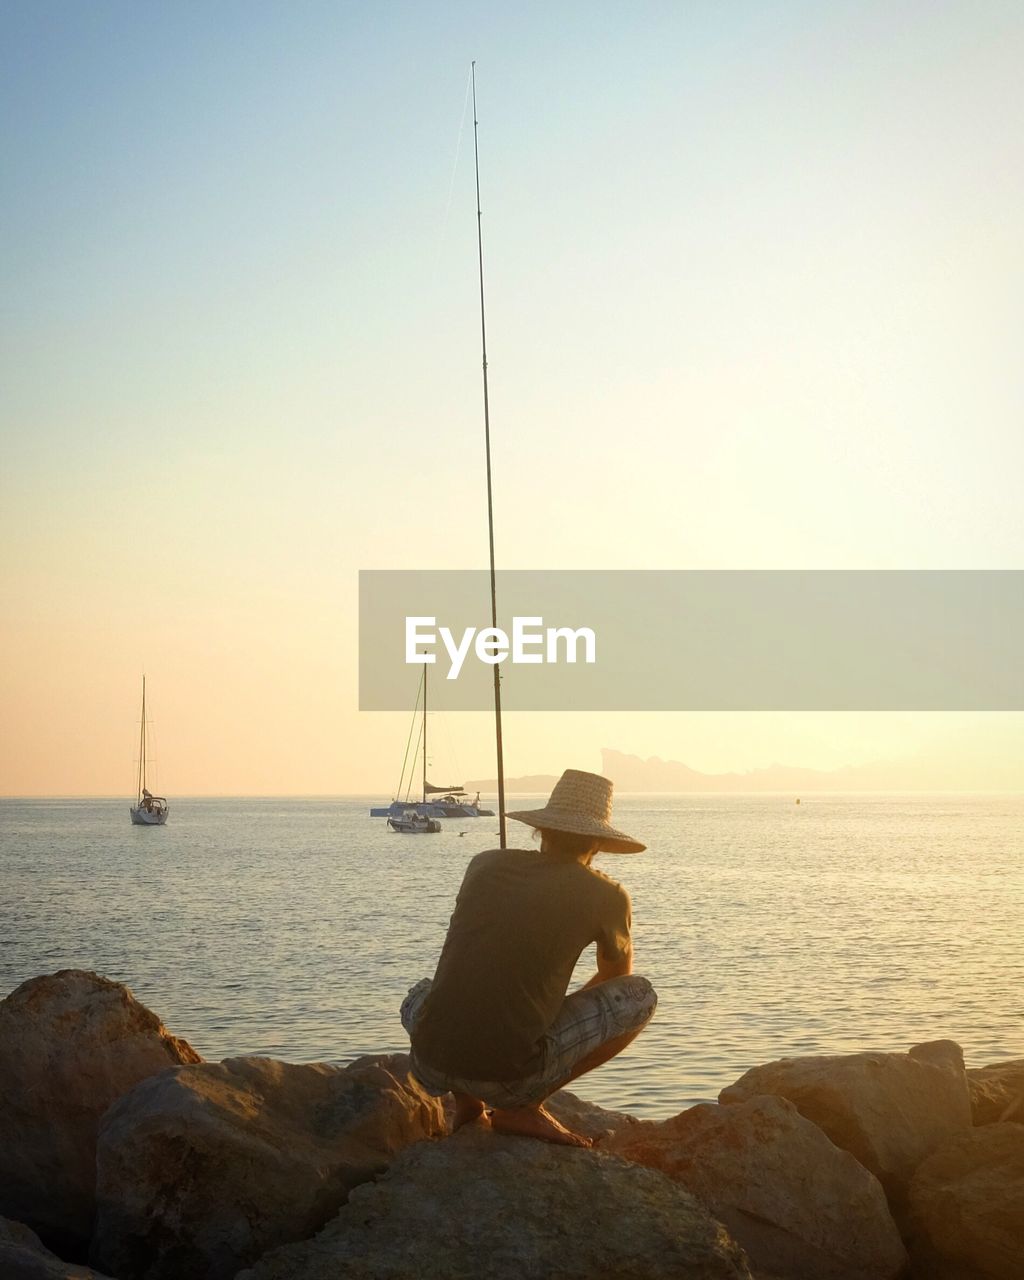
(435, 802)
(149, 810)
(413, 819)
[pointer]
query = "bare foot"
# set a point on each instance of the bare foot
(467, 1109)
(536, 1122)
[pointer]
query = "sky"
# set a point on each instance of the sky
(754, 301)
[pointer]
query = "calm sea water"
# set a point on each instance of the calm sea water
(294, 927)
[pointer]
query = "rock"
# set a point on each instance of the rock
(890, 1110)
(940, 1053)
(479, 1205)
(24, 1257)
(997, 1092)
(800, 1207)
(201, 1170)
(967, 1207)
(70, 1044)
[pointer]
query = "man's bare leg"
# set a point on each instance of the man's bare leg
(467, 1109)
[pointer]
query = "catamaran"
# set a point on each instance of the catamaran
(149, 810)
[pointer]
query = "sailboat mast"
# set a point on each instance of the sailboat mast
(490, 498)
(142, 744)
(424, 733)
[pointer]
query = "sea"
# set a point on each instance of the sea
(293, 927)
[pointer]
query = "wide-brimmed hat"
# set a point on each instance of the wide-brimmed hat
(581, 803)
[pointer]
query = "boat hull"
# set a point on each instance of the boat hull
(415, 826)
(145, 818)
(429, 809)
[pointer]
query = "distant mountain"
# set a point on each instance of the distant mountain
(528, 782)
(632, 773)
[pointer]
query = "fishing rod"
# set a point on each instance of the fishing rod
(490, 496)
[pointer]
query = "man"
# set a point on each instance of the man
(495, 1026)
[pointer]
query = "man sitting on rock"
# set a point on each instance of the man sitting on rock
(495, 1026)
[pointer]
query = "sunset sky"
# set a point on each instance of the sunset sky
(755, 289)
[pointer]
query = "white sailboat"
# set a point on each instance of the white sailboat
(435, 802)
(149, 810)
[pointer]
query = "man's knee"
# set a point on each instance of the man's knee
(645, 996)
(412, 1005)
(634, 1000)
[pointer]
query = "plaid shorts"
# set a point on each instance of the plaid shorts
(587, 1020)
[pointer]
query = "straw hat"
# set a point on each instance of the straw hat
(581, 803)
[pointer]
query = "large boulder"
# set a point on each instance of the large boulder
(967, 1207)
(890, 1110)
(23, 1256)
(997, 1091)
(71, 1043)
(513, 1209)
(201, 1170)
(802, 1208)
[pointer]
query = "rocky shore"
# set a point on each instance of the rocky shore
(126, 1155)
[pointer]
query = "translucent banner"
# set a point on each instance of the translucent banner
(729, 640)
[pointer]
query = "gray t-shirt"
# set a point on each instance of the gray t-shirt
(521, 921)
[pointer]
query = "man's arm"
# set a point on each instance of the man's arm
(614, 945)
(616, 968)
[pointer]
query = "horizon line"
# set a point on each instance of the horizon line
(619, 791)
